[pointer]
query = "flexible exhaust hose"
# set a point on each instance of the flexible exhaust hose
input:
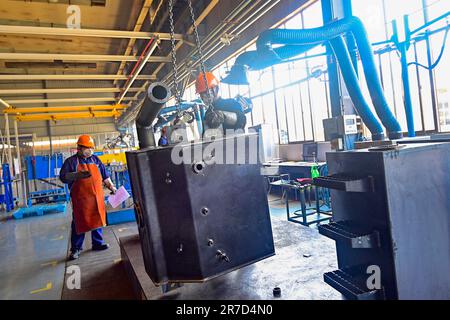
(316, 36)
(373, 80)
(257, 60)
(352, 84)
(157, 95)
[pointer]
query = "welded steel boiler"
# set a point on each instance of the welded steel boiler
(391, 219)
(200, 218)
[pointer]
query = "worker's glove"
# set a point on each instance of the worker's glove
(214, 118)
(74, 176)
(113, 190)
(241, 121)
(82, 175)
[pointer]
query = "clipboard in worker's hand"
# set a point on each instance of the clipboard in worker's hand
(119, 197)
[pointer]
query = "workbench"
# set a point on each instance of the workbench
(289, 164)
(295, 169)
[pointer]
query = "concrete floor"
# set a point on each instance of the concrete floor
(302, 257)
(33, 254)
(33, 264)
(32, 257)
(102, 274)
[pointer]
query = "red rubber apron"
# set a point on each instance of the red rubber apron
(89, 211)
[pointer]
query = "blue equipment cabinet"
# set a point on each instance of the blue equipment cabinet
(45, 169)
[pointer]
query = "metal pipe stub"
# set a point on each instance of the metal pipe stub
(157, 95)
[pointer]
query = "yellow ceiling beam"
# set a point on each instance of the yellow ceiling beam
(8, 92)
(75, 57)
(67, 100)
(22, 111)
(96, 33)
(69, 116)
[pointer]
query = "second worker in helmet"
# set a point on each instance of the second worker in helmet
(228, 113)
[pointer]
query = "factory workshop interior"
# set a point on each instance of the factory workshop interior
(261, 150)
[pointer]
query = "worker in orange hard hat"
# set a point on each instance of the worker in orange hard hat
(85, 174)
(202, 86)
(229, 113)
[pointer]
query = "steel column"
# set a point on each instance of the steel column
(16, 133)
(8, 140)
(333, 72)
(350, 39)
(22, 193)
(419, 88)
(402, 48)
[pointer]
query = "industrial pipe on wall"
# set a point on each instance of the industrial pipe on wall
(157, 95)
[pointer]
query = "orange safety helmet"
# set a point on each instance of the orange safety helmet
(86, 141)
(200, 84)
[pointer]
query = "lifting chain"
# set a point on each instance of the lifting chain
(174, 57)
(200, 54)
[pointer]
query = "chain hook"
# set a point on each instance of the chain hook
(174, 58)
(200, 53)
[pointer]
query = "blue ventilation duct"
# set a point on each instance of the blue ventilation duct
(354, 89)
(307, 39)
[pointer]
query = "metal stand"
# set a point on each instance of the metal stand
(301, 216)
